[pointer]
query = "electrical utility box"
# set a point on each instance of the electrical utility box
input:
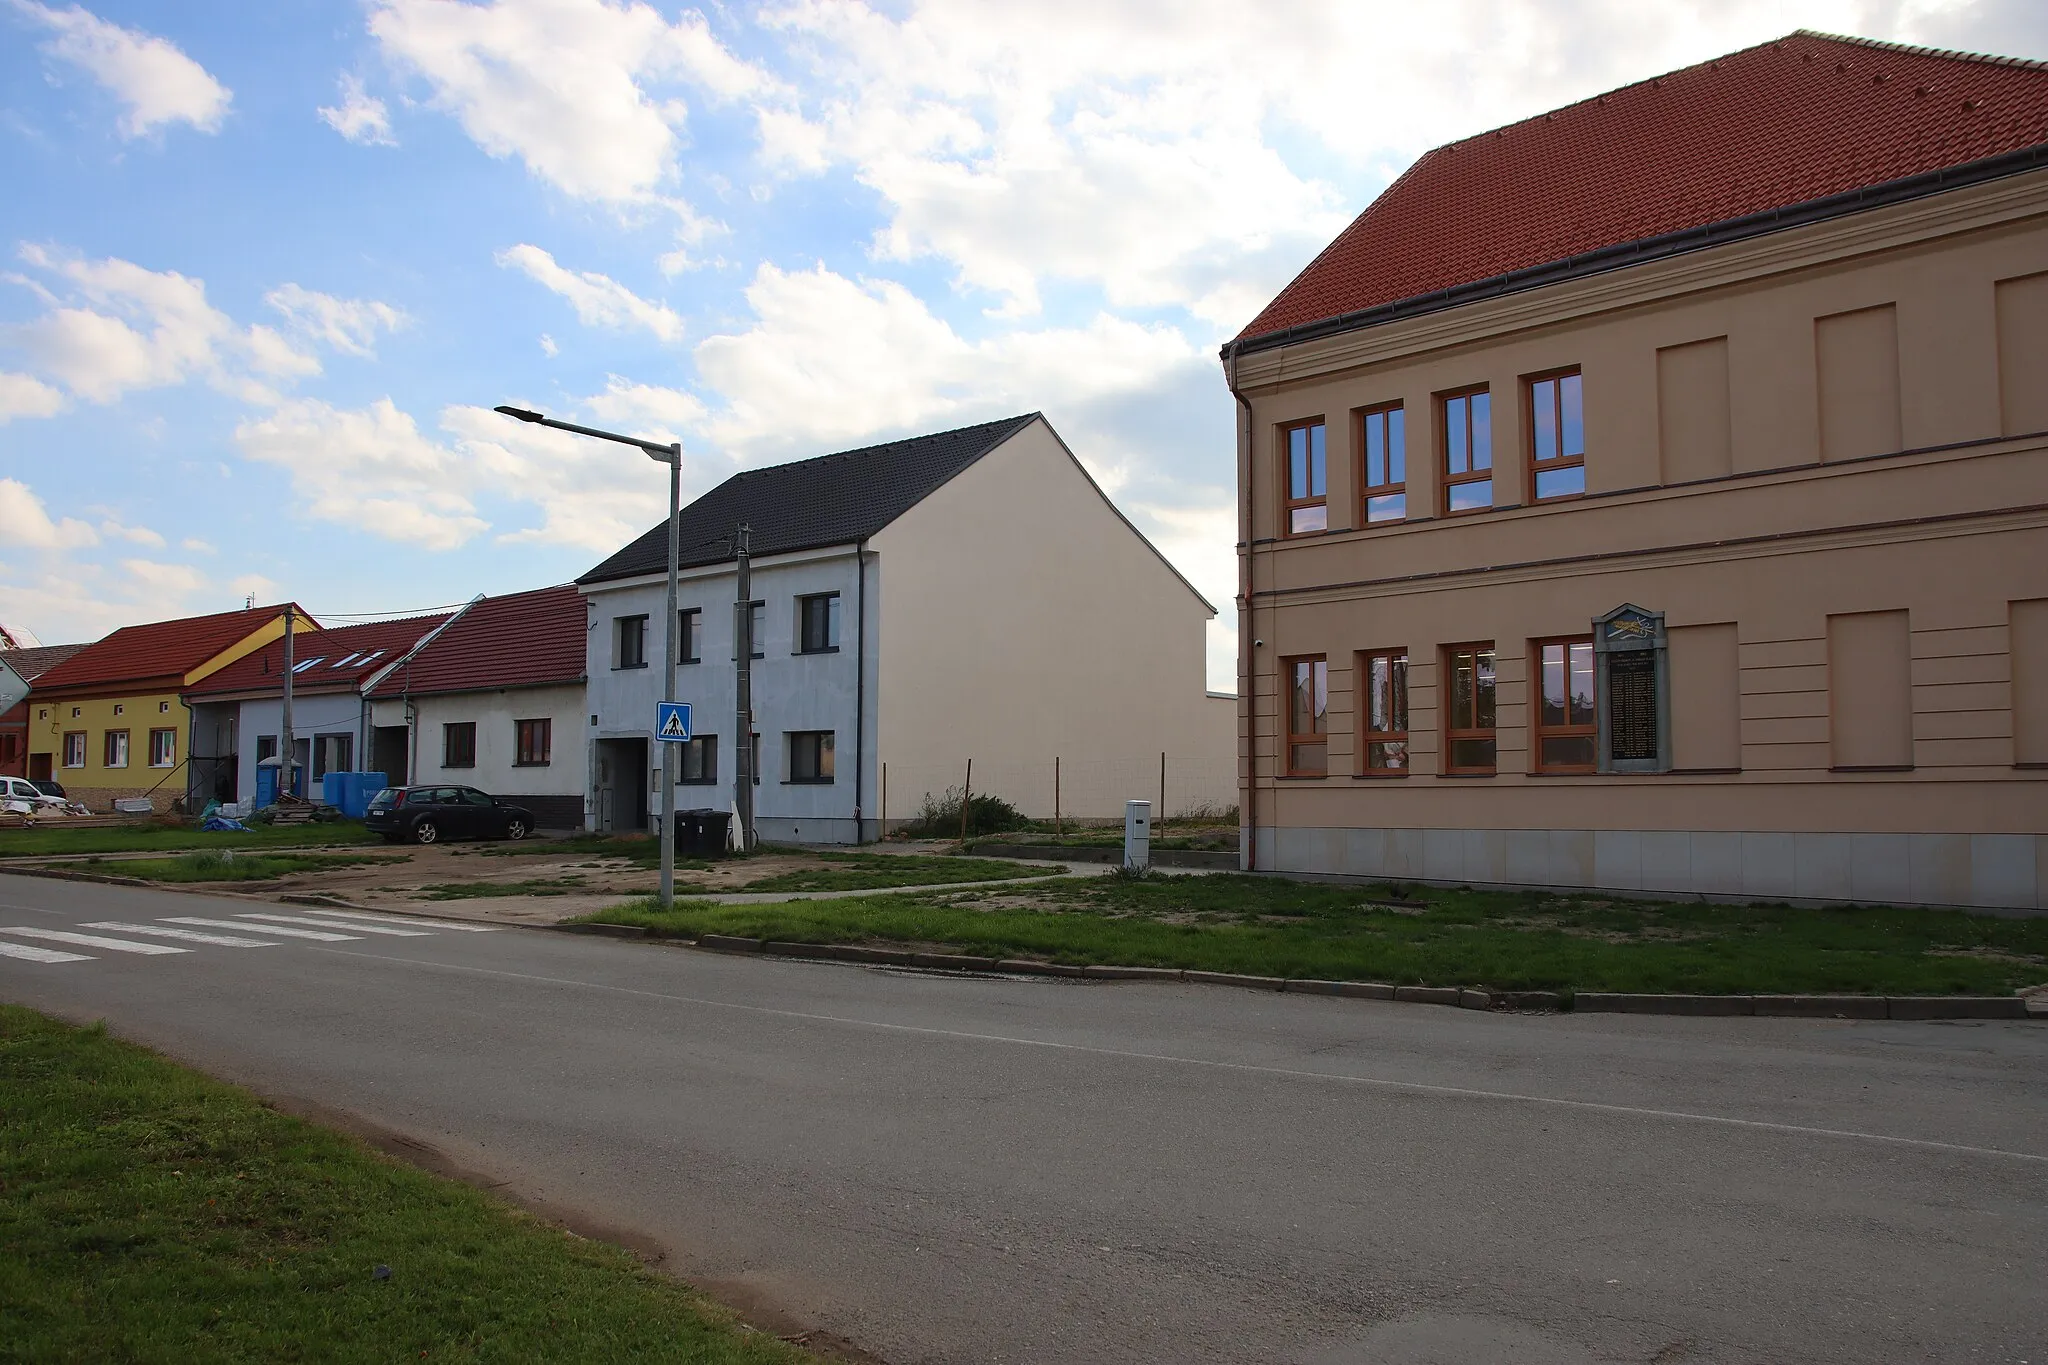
(1137, 835)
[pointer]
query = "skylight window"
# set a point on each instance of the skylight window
(309, 663)
(345, 660)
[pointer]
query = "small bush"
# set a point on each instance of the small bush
(938, 817)
(1206, 813)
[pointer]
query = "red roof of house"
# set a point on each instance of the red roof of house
(160, 650)
(323, 661)
(32, 661)
(523, 639)
(1800, 119)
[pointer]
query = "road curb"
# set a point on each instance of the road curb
(58, 875)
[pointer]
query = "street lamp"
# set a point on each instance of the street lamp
(670, 454)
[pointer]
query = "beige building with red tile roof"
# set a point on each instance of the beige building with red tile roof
(1653, 496)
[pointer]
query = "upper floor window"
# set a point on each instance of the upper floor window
(1564, 721)
(757, 630)
(690, 635)
(1383, 674)
(536, 742)
(1307, 480)
(1308, 710)
(817, 619)
(1469, 711)
(1468, 451)
(1557, 436)
(1383, 441)
(629, 642)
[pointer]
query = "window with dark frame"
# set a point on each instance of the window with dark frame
(700, 761)
(1557, 437)
(1383, 457)
(114, 749)
(754, 748)
(758, 628)
(266, 747)
(1469, 740)
(458, 740)
(1565, 720)
(163, 748)
(536, 742)
(810, 755)
(690, 635)
(1307, 508)
(631, 647)
(1467, 451)
(817, 623)
(1308, 710)
(1383, 680)
(74, 748)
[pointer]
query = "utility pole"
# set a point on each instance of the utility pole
(743, 689)
(671, 647)
(285, 746)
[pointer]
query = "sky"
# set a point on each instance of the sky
(266, 269)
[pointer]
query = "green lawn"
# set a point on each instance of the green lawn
(150, 1214)
(46, 842)
(230, 866)
(1507, 941)
(864, 871)
(538, 886)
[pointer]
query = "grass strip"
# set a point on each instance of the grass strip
(865, 871)
(226, 865)
(538, 886)
(150, 1214)
(1508, 941)
(17, 843)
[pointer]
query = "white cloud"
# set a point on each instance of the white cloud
(194, 545)
(592, 495)
(360, 117)
(599, 300)
(158, 83)
(26, 523)
(24, 395)
(139, 535)
(368, 468)
(349, 325)
(548, 347)
(658, 412)
(570, 87)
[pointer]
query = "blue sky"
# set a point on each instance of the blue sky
(264, 269)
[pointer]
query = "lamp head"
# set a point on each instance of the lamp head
(523, 414)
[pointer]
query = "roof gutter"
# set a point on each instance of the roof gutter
(1656, 248)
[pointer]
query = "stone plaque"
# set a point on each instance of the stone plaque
(1632, 706)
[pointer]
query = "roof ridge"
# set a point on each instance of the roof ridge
(1017, 420)
(1914, 49)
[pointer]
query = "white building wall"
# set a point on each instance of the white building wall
(495, 714)
(790, 691)
(326, 714)
(1026, 620)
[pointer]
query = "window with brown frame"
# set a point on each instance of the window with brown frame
(1468, 708)
(1557, 436)
(536, 742)
(74, 748)
(1307, 504)
(1468, 450)
(1308, 710)
(458, 742)
(1383, 681)
(114, 752)
(163, 748)
(1564, 714)
(1383, 456)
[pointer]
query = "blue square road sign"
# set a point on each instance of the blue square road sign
(672, 721)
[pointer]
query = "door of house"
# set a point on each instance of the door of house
(39, 767)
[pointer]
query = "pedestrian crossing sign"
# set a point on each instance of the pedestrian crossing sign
(672, 721)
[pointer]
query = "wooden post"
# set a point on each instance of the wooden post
(1059, 830)
(1161, 814)
(883, 833)
(966, 797)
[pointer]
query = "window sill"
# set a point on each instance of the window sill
(1567, 772)
(1871, 768)
(1461, 776)
(696, 782)
(627, 668)
(1379, 776)
(537, 763)
(809, 782)
(800, 653)
(457, 767)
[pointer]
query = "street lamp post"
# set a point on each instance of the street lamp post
(670, 454)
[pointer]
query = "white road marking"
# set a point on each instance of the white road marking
(328, 924)
(1250, 1068)
(190, 935)
(409, 919)
(28, 954)
(279, 930)
(118, 945)
(32, 909)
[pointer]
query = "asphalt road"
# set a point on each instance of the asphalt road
(948, 1169)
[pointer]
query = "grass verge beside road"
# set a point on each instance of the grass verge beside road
(148, 1213)
(866, 871)
(227, 865)
(1507, 941)
(39, 843)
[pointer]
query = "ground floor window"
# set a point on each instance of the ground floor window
(163, 748)
(1308, 709)
(1564, 718)
(700, 760)
(114, 751)
(536, 742)
(810, 755)
(74, 748)
(458, 744)
(1469, 741)
(1383, 677)
(333, 754)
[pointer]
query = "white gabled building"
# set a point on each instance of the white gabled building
(970, 594)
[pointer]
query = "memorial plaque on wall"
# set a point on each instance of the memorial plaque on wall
(1632, 706)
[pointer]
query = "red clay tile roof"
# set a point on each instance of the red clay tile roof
(134, 655)
(35, 660)
(523, 639)
(326, 661)
(1793, 121)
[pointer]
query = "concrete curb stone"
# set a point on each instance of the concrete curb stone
(1623, 1002)
(1821, 1006)
(1025, 968)
(607, 930)
(725, 943)
(1956, 1007)
(952, 962)
(1472, 999)
(1355, 990)
(1428, 995)
(1547, 1001)
(1103, 973)
(1257, 983)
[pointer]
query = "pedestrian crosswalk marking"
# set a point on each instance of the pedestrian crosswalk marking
(279, 930)
(28, 954)
(326, 924)
(409, 920)
(117, 945)
(188, 935)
